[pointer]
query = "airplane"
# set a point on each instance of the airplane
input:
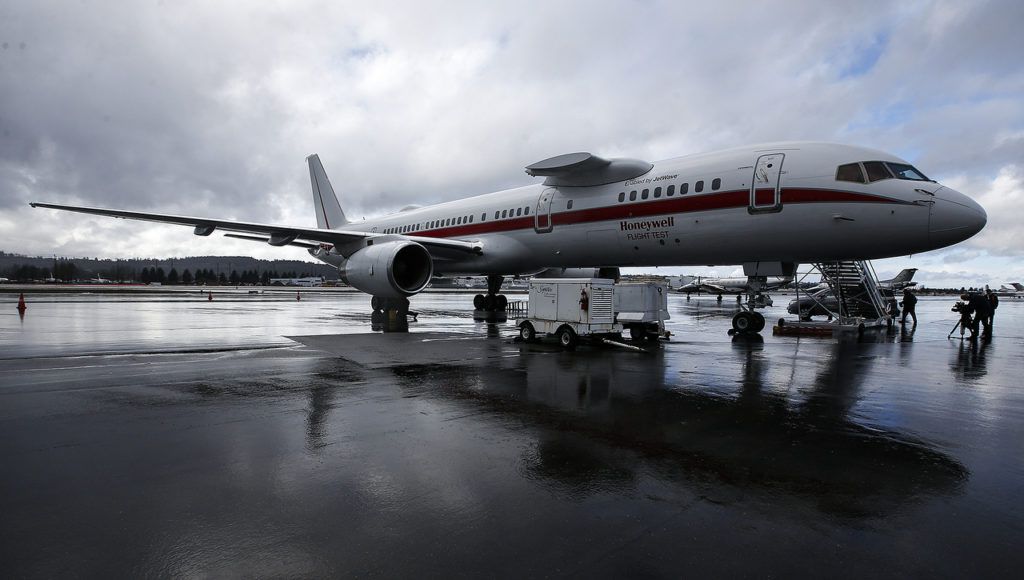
(900, 281)
(768, 207)
(1013, 289)
(734, 285)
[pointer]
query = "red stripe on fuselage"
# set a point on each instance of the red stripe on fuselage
(735, 199)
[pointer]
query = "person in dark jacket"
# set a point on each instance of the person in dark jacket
(993, 303)
(909, 304)
(977, 305)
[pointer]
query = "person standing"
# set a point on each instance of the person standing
(977, 305)
(993, 303)
(909, 306)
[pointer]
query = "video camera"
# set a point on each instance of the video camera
(960, 307)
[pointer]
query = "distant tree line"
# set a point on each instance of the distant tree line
(65, 270)
(248, 270)
(208, 277)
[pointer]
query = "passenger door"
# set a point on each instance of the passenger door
(766, 185)
(542, 217)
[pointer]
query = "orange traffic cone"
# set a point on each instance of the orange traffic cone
(298, 295)
(21, 302)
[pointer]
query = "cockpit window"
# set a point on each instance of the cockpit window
(850, 172)
(876, 171)
(904, 171)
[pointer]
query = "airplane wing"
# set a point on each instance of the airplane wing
(277, 235)
(714, 288)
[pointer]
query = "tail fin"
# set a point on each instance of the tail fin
(905, 275)
(328, 210)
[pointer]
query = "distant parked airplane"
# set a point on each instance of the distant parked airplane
(734, 285)
(1014, 289)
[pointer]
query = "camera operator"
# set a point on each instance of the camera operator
(978, 306)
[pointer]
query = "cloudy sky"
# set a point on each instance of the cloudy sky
(209, 108)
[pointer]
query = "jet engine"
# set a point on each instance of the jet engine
(390, 269)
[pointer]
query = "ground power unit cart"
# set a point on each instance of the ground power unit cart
(572, 309)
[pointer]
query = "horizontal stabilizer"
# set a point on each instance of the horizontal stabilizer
(585, 170)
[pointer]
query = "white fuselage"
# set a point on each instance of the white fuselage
(777, 202)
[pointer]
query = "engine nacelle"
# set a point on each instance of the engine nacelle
(390, 269)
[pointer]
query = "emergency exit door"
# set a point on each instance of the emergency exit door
(766, 185)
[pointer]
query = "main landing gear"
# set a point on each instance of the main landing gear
(492, 304)
(748, 320)
(390, 314)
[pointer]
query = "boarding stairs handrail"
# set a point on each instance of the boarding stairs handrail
(854, 285)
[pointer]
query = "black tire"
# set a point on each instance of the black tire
(527, 332)
(376, 303)
(743, 322)
(759, 322)
(637, 333)
(489, 302)
(567, 337)
(478, 302)
(501, 302)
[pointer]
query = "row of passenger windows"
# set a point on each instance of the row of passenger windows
(872, 171)
(457, 221)
(698, 187)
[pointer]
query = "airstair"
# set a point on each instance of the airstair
(855, 286)
(853, 301)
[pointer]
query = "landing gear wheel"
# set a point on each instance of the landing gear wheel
(500, 302)
(758, 322)
(377, 303)
(637, 333)
(527, 332)
(489, 301)
(743, 322)
(401, 305)
(478, 302)
(567, 337)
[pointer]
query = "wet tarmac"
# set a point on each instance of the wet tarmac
(174, 436)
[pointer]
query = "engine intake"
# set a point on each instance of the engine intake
(390, 270)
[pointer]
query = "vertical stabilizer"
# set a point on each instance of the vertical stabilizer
(328, 210)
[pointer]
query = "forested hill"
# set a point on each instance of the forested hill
(16, 267)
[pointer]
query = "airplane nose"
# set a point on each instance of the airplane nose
(954, 218)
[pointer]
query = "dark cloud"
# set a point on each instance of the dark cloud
(210, 108)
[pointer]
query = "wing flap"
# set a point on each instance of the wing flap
(307, 245)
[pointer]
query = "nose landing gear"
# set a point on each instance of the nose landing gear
(748, 320)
